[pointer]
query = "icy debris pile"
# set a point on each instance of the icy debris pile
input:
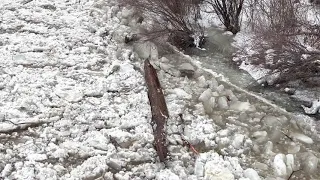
(250, 128)
(285, 165)
(202, 133)
(64, 73)
(212, 166)
(216, 96)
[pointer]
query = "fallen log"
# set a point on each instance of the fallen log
(159, 109)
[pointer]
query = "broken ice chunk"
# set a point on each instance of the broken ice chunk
(213, 83)
(268, 148)
(220, 89)
(199, 168)
(290, 163)
(186, 69)
(301, 137)
(280, 168)
(202, 81)
(182, 94)
(310, 163)
(37, 157)
(209, 104)
(251, 174)
(238, 141)
(241, 106)
(70, 94)
(293, 148)
(313, 109)
(218, 173)
(206, 95)
(223, 102)
(231, 95)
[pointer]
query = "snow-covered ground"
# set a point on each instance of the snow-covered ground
(74, 105)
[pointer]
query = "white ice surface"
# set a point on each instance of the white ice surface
(65, 72)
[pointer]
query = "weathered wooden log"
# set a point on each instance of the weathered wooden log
(159, 109)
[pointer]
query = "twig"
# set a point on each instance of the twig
(185, 142)
(287, 136)
(21, 127)
(293, 173)
(190, 146)
(24, 125)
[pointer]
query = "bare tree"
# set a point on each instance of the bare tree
(315, 1)
(229, 12)
(176, 18)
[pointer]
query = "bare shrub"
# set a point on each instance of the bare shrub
(229, 12)
(315, 1)
(176, 19)
(283, 27)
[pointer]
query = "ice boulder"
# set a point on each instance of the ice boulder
(220, 89)
(209, 104)
(37, 157)
(223, 102)
(205, 96)
(301, 137)
(310, 162)
(216, 172)
(293, 148)
(268, 149)
(280, 168)
(146, 50)
(165, 66)
(314, 109)
(186, 69)
(213, 83)
(251, 174)
(290, 163)
(242, 106)
(69, 94)
(164, 60)
(260, 136)
(166, 175)
(238, 141)
(215, 94)
(271, 121)
(231, 95)
(199, 168)
(127, 13)
(181, 93)
(202, 81)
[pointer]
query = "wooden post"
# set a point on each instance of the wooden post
(159, 109)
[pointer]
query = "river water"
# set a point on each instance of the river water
(217, 55)
(276, 134)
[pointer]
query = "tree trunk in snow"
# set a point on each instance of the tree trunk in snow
(158, 109)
